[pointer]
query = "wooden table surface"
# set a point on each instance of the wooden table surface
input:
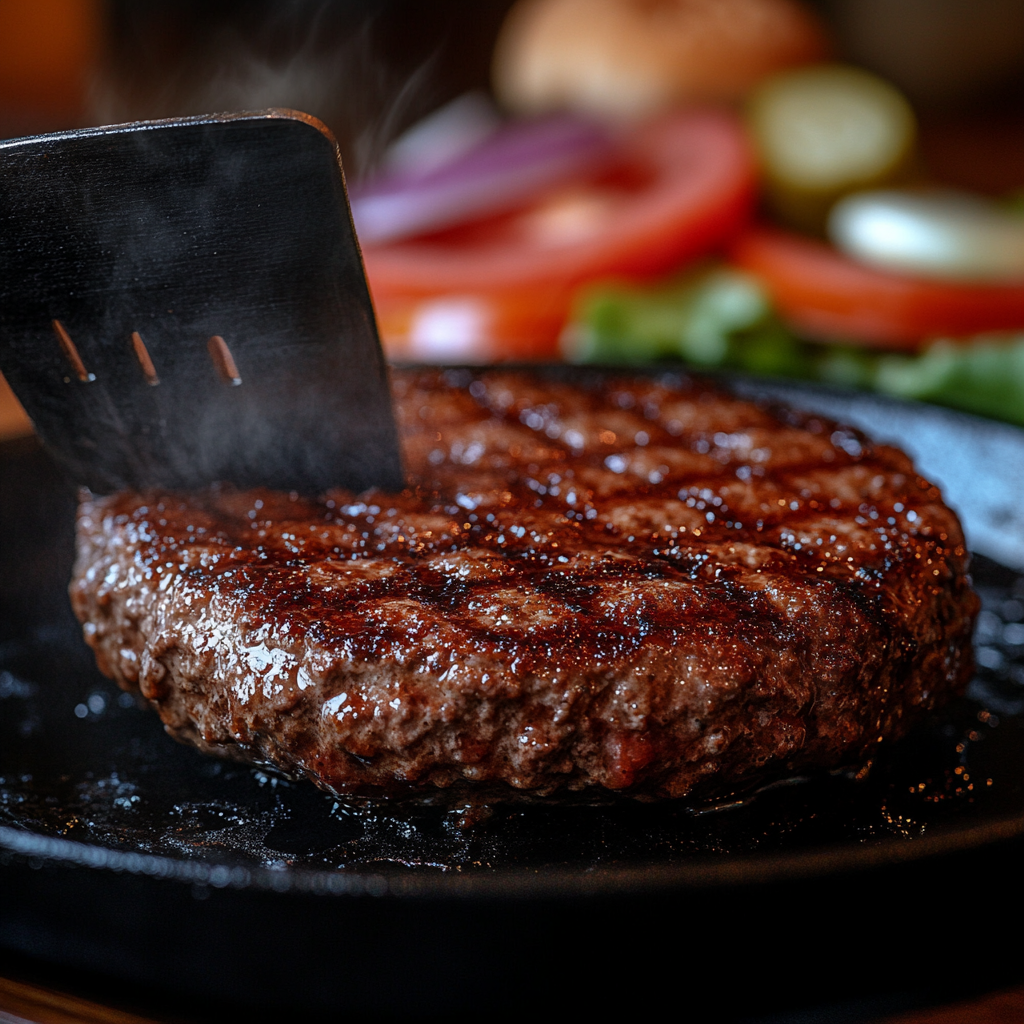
(21, 1001)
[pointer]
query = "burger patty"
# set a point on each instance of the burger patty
(641, 585)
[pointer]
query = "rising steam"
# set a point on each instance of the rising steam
(293, 54)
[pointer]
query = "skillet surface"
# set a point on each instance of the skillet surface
(94, 797)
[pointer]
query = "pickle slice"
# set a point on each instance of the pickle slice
(825, 131)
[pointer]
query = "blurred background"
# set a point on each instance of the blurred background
(370, 68)
(931, 135)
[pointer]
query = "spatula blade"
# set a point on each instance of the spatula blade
(184, 301)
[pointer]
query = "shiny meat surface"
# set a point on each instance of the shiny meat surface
(628, 584)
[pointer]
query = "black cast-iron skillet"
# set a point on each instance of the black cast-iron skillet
(193, 883)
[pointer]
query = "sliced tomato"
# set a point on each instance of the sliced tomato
(503, 288)
(824, 294)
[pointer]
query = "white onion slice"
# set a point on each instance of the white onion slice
(948, 235)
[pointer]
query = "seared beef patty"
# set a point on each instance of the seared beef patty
(639, 585)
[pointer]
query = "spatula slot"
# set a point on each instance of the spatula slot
(223, 360)
(142, 354)
(67, 346)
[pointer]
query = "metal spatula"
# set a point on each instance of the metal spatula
(184, 301)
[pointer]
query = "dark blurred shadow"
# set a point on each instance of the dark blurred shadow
(961, 63)
(942, 53)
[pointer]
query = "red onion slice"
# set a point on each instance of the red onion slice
(502, 172)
